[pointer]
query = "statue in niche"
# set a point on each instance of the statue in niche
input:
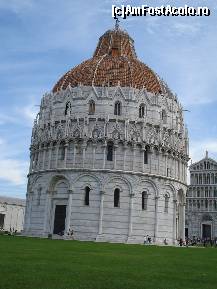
(116, 135)
(59, 132)
(77, 133)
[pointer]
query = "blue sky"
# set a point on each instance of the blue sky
(41, 40)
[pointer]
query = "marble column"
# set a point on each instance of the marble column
(156, 219)
(143, 149)
(30, 201)
(174, 221)
(158, 161)
(69, 212)
(125, 155)
(74, 155)
(66, 154)
(44, 156)
(183, 222)
(166, 162)
(57, 155)
(47, 213)
(84, 147)
(94, 155)
(134, 156)
(174, 160)
(102, 195)
(39, 158)
(115, 156)
(151, 153)
(49, 156)
(130, 228)
(104, 146)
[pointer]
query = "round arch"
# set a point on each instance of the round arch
(154, 186)
(110, 179)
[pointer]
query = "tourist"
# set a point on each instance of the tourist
(145, 240)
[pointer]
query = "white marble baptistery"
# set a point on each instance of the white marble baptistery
(109, 153)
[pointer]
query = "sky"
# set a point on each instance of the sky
(42, 39)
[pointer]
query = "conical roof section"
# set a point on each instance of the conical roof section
(114, 63)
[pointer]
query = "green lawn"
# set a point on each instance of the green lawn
(28, 263)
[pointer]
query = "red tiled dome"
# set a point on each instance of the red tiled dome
(113, 63)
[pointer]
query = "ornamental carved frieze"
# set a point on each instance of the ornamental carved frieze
(110, 130)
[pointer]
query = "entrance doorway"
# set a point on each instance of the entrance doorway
(59, 219)
(186, 232)
(2, 221)
(206, 231)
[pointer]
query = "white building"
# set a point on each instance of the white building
(12, 212)
(109, 152)
(201, 209)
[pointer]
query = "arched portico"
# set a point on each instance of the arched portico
(58, 206)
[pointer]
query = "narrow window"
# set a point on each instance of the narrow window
(117, 110)
(117, 198)
(144, 200)
(110, 152)
(164, 117)
(62, 152)
(168, 172)
(142, 110)
(91, 107)
(166, 204)
(206, 203)
(87, 196)
(145, 157)
(68, 108)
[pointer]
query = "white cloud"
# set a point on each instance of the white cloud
(28, 113)
(24, 115)
(198, 149)
(13, 171)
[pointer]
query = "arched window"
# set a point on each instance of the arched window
(205, 165)
(68, 108)
(117, 110)
(145, 156)
(166, 203)
(110, 151)
(87, 196)
(91, 107)
(144, 200)
(142, 110)
(206, 203)
(116, 198)
(62, 152)
(164, 116)
(206, 192)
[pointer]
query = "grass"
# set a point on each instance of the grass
(30, 263)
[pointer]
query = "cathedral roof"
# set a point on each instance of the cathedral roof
(114, 62)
